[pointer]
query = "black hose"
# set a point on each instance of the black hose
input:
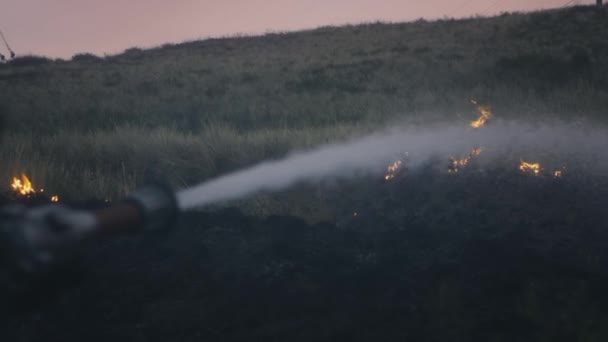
(7, 46)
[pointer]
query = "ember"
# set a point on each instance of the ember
(392, 169)
(24, 187)
(530, 167)
(484, 115)
(456, 164)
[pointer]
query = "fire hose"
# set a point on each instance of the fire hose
(36, 240)
(8, 47)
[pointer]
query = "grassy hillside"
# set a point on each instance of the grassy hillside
(95, 126)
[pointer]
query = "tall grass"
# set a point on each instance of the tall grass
(96, 126)
(107, 164)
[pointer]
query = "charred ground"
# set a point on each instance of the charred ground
(429, 256)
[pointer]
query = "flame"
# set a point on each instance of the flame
(392, 169)
(456, 164)
(484, 115)
(530, 167)
(23, 185)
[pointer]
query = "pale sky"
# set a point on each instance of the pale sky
(61, 28)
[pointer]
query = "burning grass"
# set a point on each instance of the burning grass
(533, 168)
(484, 115)
(23, 185)
(23, 189)
(392, 169)
(457, 164)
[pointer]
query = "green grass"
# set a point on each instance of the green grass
(93, 126)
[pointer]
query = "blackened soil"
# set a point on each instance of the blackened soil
(428, 257)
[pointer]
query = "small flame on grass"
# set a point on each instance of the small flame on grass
(530, 167)
(485, 113)
(23, 185)
(456, 164)
(392, 169)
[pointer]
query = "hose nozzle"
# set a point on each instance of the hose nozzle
(36, 239)
(157, 205)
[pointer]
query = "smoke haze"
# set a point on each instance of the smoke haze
(560, 143)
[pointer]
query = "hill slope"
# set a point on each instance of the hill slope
(93, 126)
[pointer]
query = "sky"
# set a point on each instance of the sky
(62, 28)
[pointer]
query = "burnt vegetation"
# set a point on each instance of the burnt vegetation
(429, 256)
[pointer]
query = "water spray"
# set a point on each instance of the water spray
(36, 239)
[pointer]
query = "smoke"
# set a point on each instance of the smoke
(370, 154)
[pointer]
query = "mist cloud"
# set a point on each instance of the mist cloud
(499, 140)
